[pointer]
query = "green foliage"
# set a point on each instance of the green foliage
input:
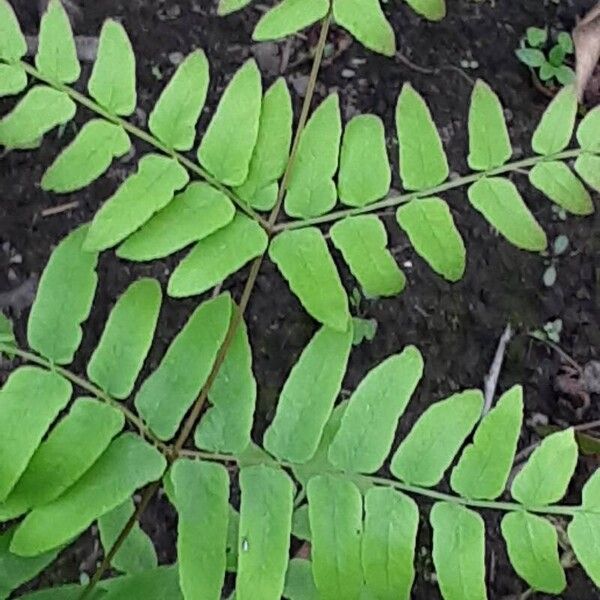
(548, 59)
(165, 396)
(201, 497)
(243, 155)
(136, 554)
(226, 149)
(173, 120)
(363, 19)
(62, 471)
(331, 452)
(69, 266)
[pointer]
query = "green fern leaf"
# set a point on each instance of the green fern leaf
(431, 230)
(54, 326)
(288, 17)
(226, 426)
(217, 256)
(311, 191)
(167, 394)
(532, 545)
(12, 43)
(587, 166)
(39, 111)
(365, 174)
(489, 142)
(63, 592)
(265, 527)
(588, 132)
(157, 584)
(16, 570)
(56, 57)
(173, 119)
(194, 214)
(584, 529)
(430, 446)
(362, 240)
(87, 157)
(226, 148)
(112, 83)
(304, 260)
(128, 464)
(365, 20)
(319, 462)
(556, 126)
(368, 426)
(545, 477)
(227, 7)
(299, 582)
(29, 401)
(202, 502)
(335, 509)
(272, 149)
(499, 201)
(301, 524)
(388, 544)
(126, 340)
(559, 183)
(307, 398)
(13, 79)
(136, 554)
(458, 551)
(70, 449)
(142, 194)
(434, 10)
(485, 465)
(423, 163)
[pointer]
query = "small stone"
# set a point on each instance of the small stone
(348, 73)
(173, 11)
(299, 83)
(176, 58)
(17, 259)
(12, 275)
(267, 57)
(474, 64)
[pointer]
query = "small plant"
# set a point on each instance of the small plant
(363, 329)
(314, 478)
(546, 58)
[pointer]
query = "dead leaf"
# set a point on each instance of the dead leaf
(586, 37)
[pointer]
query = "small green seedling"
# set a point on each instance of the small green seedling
(547, 57)
(363, 329)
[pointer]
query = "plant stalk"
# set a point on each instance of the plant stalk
(439, 189)
(414, 490)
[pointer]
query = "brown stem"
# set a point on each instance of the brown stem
(190, 422)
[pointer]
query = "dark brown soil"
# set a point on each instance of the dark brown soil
(455, 326)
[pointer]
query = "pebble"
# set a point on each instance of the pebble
(348, 73)
(176, 58)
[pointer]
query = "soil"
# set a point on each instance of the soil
(455, 326)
